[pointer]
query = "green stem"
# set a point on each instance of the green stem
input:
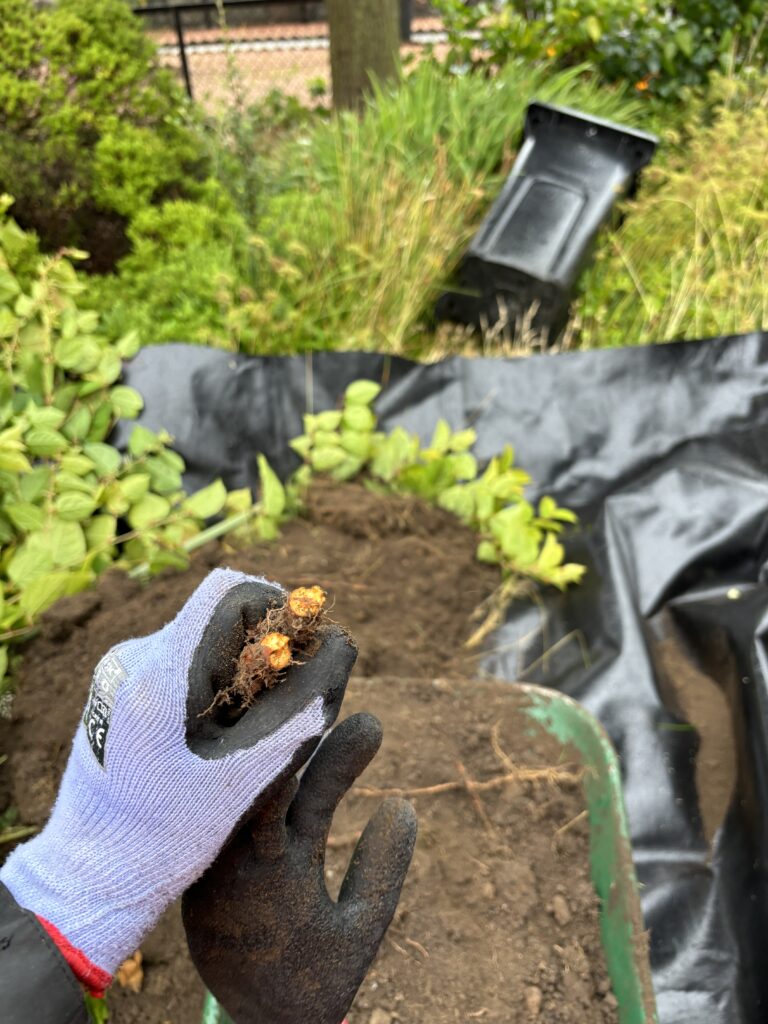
(16, 634)
(12, 835)
(212, 533)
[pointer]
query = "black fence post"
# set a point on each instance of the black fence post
(405, 21)
(182, 51)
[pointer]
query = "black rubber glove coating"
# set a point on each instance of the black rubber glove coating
(263, 932)
(324, 675)
(36, 983)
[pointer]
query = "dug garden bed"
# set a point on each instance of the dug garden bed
(499, 920)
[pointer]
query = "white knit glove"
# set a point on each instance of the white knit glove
(152, 791)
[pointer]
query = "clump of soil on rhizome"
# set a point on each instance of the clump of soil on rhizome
(402, 576)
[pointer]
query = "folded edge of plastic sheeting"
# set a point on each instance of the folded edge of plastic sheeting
(664, 453)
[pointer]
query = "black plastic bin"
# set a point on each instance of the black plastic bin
(530, 249)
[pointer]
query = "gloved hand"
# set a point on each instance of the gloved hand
(263, 932)
(151, 790)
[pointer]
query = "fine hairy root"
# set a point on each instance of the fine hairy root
(287, 635)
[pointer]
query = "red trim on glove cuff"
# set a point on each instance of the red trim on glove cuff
(93, 978)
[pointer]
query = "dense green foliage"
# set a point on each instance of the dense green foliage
(92, 130)
(662, 48)
(359, 220)
(70, 504)
(185, 277)
(520, 539)
(689, 260)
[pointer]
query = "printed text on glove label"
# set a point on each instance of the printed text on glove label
(107, 678)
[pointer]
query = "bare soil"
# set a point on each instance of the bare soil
(499, 919)
(690, 687)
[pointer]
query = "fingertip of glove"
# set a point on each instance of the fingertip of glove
(402, 815)
(219, 582)
(228, 595)
(361, 731)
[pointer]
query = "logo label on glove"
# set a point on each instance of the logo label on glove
(106, 682)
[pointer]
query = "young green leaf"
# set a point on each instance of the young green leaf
(25, 516)
(148, 511)
(323, 460)
(45, 416)
(100, 531)
(66, 543)
(487, 552)
(78, 424)
(126, 402)
(134, 486)
(207, 502)
(357, 444)
(441, 438)
(41, 593)
(239, 500)
(301, 445)
(142, 441)
(14, 462)
(358, 417)
(73, 506)
(44, 441)
(32, 559)
(105, 458)
(77, 464)
(462, 440)
(361, 392)
(272, 492)
(328, 420)
(69, 482)
(127, 347)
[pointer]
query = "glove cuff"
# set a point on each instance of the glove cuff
(94, 979)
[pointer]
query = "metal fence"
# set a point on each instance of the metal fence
(273, 44)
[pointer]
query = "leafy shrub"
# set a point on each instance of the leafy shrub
(70, 504)
(92, 130)
(191, 274)
(662, 48)
(689, 260)
(521, 540)
(185, 277)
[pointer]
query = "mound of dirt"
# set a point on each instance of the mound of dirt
(498, 920)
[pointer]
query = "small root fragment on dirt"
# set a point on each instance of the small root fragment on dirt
(476, 801)
(286, 635)
(582, 816)
(130, 973)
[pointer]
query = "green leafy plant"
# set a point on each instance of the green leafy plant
(92, 129)
(520, 539)
(71, 504)
(662, 49)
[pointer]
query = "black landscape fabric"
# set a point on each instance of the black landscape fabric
(663, 452)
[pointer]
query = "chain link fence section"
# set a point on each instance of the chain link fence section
(268, 46)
